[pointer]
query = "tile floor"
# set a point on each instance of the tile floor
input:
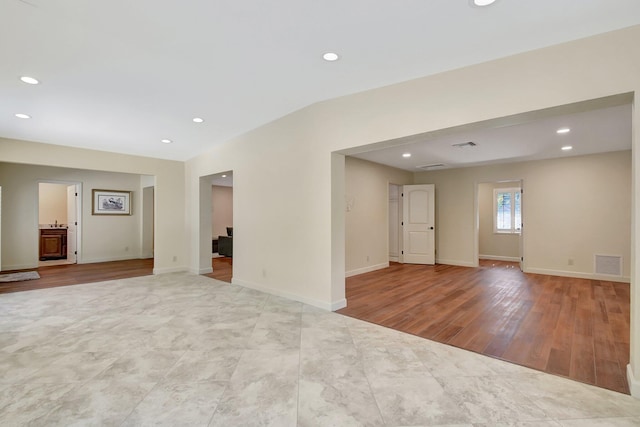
(187, 350)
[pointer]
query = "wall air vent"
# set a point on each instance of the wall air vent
(607, 264)
(432, 166)
(469, 144)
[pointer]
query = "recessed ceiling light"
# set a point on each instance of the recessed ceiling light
(166, 141)
(23, 116)
(563, 130)
(406, 155)
(29, 80)
(567, 148)
(330, 56)
(198, 120)
(483, 2)
(224, 176)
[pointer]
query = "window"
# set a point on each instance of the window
(507, 213)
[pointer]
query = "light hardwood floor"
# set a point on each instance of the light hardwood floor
(574, 328)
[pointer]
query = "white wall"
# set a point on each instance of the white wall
(221, 210)
(304, 261)
(169, 231)
(366, 214)
(52, 204)
(573, 208)
(495, 245)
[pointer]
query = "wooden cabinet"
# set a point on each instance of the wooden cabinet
(53, 243)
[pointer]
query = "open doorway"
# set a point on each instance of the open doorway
(221, 188)
(499, 221)
(59, 216)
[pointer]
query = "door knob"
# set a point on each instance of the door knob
(430, 228)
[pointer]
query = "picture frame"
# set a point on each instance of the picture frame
(110, 202)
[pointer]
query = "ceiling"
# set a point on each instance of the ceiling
(122, 75)
(590, 132)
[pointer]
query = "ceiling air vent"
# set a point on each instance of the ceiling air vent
(431, 166)
(465, 144)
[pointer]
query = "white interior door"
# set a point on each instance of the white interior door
(418, 224)
(72, 222)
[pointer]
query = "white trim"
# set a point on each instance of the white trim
(500, 258)
(205, 270)
(107, 259)
(366, 269)
(332, 306)
(579, 275)
(18, 267)
(455, 262)
(166, 270)
(394, 259)
(634, 384)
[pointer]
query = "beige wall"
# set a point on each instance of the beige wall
(495, 245)
(573, 208)
(52, 204)
(292, 242)
(169, 227)
(221, 210)
(305, 262)
(366, 213)
(102, 238)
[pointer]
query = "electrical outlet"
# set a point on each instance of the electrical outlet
(367, 258)
(570, 261)
(175, 258)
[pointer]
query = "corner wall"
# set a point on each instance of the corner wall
(287, 240)
(367, 222)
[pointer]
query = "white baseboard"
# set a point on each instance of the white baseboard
(500, 258)
(394, 259)
(106, 259)
(579, 275)
(634, 383)
(366, 269)
(205, 270)
(169, 270)
(19, 267)
(333, 306)
(455, 262)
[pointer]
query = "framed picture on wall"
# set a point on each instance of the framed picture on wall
(111, 202)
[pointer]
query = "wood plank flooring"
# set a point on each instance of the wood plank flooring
(74, 274)
(575, 328)
(222, 269)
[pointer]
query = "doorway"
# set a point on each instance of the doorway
(498, 212)
(59, 216)
(395, 215)
(216, 226)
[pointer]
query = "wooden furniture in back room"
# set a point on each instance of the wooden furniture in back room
(53, 243)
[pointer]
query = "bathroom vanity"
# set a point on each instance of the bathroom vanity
(53, 243)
